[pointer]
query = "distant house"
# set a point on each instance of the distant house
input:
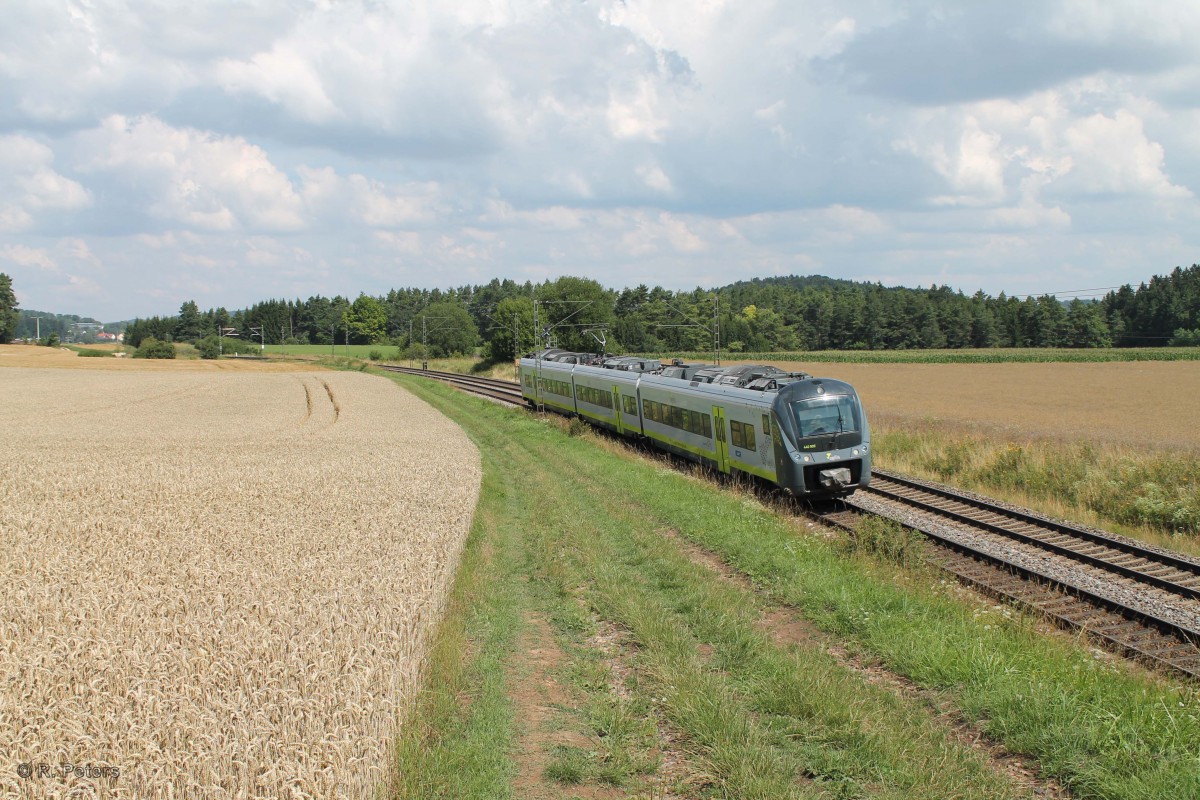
(107, 337)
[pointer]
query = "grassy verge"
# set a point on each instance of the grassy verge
(459, 738)
(761, 720)
(1155, 494)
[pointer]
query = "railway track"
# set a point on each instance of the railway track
(1141, 601)
(503, 391)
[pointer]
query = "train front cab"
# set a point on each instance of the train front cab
(822, 440)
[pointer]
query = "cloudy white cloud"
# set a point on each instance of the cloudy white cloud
(30, 188)
(228, 152)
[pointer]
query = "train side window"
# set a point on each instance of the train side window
(630, 405)
(741, 434)
(767, 424)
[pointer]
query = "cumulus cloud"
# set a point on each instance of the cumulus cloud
(358, 199)
(192, 177)
(29, 184)
(1113, 155)
(28, 257)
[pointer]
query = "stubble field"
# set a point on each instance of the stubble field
(217, 584)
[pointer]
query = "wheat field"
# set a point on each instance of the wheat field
(217, 585)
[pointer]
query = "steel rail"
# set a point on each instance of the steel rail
(1135, 632)
(503, 391)
(1127, 559)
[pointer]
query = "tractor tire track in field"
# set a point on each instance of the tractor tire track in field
(337, 409)
(787, 627)
(317, 412)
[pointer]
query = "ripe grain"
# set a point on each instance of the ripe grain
(213, 587)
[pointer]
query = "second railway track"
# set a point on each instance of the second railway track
(1139, 600)
(503, 391)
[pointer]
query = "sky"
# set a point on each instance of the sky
(158, 152)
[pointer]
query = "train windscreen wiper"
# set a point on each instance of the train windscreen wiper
(841, 427)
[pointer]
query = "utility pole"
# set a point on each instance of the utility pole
(717, 327)
(537, 360)
(221, 333)
(39, 330)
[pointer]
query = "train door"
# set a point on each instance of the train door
(617, 409)
(722, 439)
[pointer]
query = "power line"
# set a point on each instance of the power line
(1068, 291)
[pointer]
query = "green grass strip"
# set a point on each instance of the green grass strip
(459, 737)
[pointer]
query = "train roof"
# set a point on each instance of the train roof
(562, 356)
(738, 374)
(632, 363)
(747, 396)
(743, 380)
(681, 370)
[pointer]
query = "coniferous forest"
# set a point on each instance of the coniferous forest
(768, 314)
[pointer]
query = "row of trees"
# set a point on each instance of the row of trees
(792, 313)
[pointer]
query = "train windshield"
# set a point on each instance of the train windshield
(825, 415)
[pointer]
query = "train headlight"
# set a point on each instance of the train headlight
(854, 451)
(807, 459)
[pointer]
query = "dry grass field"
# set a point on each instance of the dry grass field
(216, 582)
(1148, 404)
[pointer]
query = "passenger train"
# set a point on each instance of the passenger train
(807, 435)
